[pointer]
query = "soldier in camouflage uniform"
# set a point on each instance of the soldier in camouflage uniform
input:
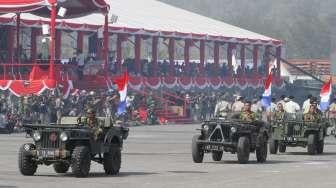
(92, 122)
(247, 114)
(279, 114)
(151, 119)
(312, 115)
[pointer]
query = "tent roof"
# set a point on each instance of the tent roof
(151, 17)
(75, 8)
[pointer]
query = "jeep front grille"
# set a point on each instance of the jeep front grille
(293, 130)
(226, 132)
(216, 136)
(50, 140)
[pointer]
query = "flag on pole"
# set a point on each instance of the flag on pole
(325, 95)
(122, 88)
(267, 95)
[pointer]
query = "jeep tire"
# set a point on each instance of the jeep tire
(282, 148)
(273, 146)
(61, 167)
(81, 161)
(27, 165)
(261, 151)
(197, 152)
(243, 150)
(320, 147)
(217, 155)
(112, 160)
(312, 144)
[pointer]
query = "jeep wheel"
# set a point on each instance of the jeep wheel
(217, 155)
(27, 165)
(261, 152)
(197, 152)
(243, 150)
(112, 161)
(282, 148)
(81, 161)
(273, 146)
(312, 144)
(61, 167)
(320, 147)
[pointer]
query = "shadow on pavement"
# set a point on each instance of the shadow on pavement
(101, 175)
(187, 172)
(251, 162)
(305, 153)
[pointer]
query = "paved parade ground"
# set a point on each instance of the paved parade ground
(160, 156)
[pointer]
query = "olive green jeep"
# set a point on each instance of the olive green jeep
(71, 145)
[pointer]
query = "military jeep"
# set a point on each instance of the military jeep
(297, 133)
(71, 145)
(231, 135)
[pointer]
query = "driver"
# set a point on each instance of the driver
(91, 121)
(312, 115)
(247, 114)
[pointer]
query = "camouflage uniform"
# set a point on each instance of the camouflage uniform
(93, 123)
(279, 116)
(248, 116)
(311, 117)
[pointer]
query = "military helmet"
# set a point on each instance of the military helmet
(91, 111)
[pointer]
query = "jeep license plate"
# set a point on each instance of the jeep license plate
(214, 147)
(47, 153)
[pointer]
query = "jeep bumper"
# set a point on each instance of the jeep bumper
(50, 153)
(216, 146)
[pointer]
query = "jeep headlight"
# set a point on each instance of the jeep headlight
(233, 129)
(206, 127)
(37, 136)
(64, 136)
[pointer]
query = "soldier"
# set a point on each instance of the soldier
(247, 114)
(151, 118)
(92, 122)
(222, 107)
(312, 115)
(279, 114)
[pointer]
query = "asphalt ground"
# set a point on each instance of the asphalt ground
(160, 156)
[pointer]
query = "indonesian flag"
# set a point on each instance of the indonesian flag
(325, 95)
(122, 88)
(267, 95)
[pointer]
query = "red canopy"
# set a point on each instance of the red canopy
(75, 8)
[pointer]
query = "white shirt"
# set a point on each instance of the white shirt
(291, 107)
(221, 106)
(305, 106)
(237, 106)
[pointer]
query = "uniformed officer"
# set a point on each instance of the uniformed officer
(279, 114)
(247, 114)
(91, 121)
(312, 115)
(222, 107)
